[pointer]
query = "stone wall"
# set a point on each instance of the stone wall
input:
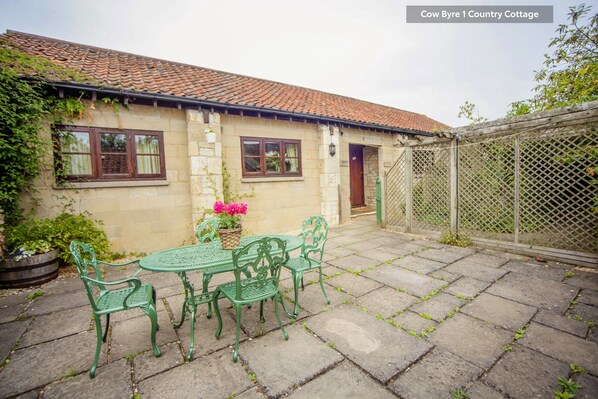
(152, 216)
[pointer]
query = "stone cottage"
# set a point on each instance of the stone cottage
(149, 171)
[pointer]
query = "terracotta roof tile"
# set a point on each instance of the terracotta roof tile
(133, 72)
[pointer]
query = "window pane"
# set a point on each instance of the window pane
(76, 164)
(252, 165)
(291, 150)
(113, 142)
(272, 149)
(147, 144)
(272, 164)
(148, 165)
(74, 141)
(292, 165)
(114, 164)
(252, 148)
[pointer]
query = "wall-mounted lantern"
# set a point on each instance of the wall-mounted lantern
(332, 149)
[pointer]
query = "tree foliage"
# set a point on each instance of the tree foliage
(570, 72)
(470, 112)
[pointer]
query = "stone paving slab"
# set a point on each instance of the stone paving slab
(348, 382)
(215, 376)
(279, 365)
(353, 284)
(440, 255)
(473, 269)
(411, 321)
(562, 323)
(410, 247)
(379, 255)
(526, 374)
(250, 320)
(488, 260)
(312, 299)
(564, 347)
(253, 393)
(501, 312)
(147, 365)
(481, 391)
(366, 245)
(583, 279)
(386, 301)
(376, 346)
(430, 244)
(343, 240)
(435, 375)
(445, 276)
(41, 364)
(461, 251)
(588, 297)
(112, 381)
(467, 287)
(406, 280)
(439, 306)
(57, 325)
(398, 251)
(535, 292)
(354, 262)
(133, 336)
(586, 312)
(10, 309)
(471, 339)
(51, 303)
(418, 264)
(535, 270)
(339, 252)
(589, 386)
(9, 334)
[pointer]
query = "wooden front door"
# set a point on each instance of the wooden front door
(356, 175)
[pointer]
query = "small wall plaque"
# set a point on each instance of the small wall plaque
(344, 163)
(387, 164)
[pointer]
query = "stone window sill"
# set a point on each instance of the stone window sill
(109, 184)
(271, 179)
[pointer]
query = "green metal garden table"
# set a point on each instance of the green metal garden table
(206, 257)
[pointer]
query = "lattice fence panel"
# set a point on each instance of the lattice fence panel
(431, 187)
(487, 188)
(395, 194)
(557, 193)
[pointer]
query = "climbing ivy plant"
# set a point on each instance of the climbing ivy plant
(27, 107)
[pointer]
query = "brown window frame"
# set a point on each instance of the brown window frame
(262, 157)
(96, 154)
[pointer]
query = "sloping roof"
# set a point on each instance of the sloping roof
(150, 75)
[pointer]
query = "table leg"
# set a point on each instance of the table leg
(189, 293)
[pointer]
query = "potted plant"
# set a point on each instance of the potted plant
(230, 222)
(210, 135)
(34, 248)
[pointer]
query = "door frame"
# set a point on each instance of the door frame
(353, 146)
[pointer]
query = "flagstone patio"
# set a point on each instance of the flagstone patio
(408, 318)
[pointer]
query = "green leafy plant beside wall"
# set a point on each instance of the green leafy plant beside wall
(26, 108)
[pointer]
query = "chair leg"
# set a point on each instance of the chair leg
(296, 279)
(154, 298)
(217, 310)
(183, 314)
(262, 319)
(107, 324)
(206, 281)
(192, 344)
(322, 287)
(153, 315)
(92, 371)
(302, 285)
(238, 332)
(286, 336)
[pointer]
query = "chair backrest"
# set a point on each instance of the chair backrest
(85, 260)
(264, 259)
(207, 230)
(314, 233)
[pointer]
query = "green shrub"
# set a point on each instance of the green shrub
(455, 239)
(59, 232)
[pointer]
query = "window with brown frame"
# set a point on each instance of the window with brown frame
(265, 157)
(94, 154)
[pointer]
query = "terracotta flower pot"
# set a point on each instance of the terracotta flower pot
(34, 270)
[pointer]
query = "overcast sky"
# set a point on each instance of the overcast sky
(358, 48)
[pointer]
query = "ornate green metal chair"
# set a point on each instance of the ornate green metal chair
(104, 301)
(258, 258)
(207, 230)
(315, 234)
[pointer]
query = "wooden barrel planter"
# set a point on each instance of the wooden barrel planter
(34, 270)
